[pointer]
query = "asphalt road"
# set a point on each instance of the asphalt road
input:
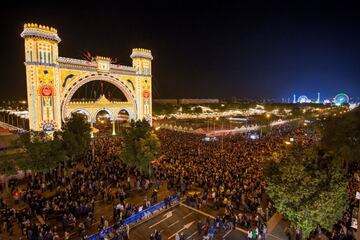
(179, 219)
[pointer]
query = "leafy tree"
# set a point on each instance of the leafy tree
(197, 110)
(341, 138)
(9, 162)
(306, 189)
(141, 146)
(41, 153)
(296, 111)
(76, 135)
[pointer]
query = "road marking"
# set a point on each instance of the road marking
(187, 215)
(166, 216)
(192, 235)
(186, 226)
(198, 211)
(153, 215)
(227, 234)
(241, 230)
(173, 224)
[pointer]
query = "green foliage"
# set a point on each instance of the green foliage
(306, 188)
(40, 152)
(76, 135)
(8, 161)
(296, 111)
(341, 138)
(141, 146)
(197, 110)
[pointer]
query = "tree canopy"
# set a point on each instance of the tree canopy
(76, 135)
(141, 146)
(341, 138)
(40, 152)
(306, 189)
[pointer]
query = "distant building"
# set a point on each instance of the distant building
(183, 101)
(166, 101)
(198, 101)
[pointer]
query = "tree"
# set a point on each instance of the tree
(41, 153)
(306, 189)
(197, 110)
(8, 163)
(141, 146)
(76, 135)
(341, 138)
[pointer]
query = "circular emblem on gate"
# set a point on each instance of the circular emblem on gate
(48, 127)
(146, 94)
(46, 90)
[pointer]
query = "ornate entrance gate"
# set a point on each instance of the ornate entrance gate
(53, 80)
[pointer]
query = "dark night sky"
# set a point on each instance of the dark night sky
(250, 49)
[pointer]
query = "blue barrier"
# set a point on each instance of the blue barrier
(131, 219)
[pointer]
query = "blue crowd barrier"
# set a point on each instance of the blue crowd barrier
(131, 219)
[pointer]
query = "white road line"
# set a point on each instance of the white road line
(187, 215)
(198, 211)
(173, 224)
(241, 230)
(166, 216)
(227, 234)
(186, 226)
(155, 214)
(191, 235)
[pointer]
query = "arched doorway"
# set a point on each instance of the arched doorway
(123, 116)
(103, 120)
(72, 90)
(86, 114)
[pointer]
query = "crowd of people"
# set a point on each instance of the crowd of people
(69, 195)
(228, 174)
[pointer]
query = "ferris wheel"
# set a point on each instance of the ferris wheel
(341, 98)
(303, 99)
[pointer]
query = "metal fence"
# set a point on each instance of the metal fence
(131, 219)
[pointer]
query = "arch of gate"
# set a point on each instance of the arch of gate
(129, 111)
(67, 106)
(84, 112)
(111, 114)
(52, 80)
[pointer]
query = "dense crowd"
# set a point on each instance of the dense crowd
(69, 195)
(227, 173)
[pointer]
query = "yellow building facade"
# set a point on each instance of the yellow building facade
(52, 81)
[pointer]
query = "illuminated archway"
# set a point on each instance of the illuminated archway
(53, 80)
(84, 112)
(71, 90)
